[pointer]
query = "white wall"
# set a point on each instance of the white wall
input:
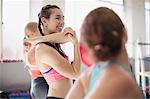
(60, 3)
(15, 17)
(0, 29)
(35, 7)
(135, 19)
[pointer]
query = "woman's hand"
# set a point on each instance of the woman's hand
(71, 35)
(27, 46)
(31, 41)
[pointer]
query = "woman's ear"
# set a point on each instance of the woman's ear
(44, 21)
(125, 37)
(84, 51)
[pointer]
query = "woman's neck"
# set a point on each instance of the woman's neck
(123, 58)
(46, 32)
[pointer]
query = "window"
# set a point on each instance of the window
(76, 10)
(120, 2)
(147, 24)
(15, 14)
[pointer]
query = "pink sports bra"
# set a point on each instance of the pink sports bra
(34, 73)
(51, 75)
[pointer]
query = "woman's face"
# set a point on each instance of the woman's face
(55, 23)
(32, 34)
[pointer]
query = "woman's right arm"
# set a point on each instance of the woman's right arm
(46, 55)
(78, 91)
(60, 37)
(50, 57)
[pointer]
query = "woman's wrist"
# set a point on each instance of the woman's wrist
(75, 42)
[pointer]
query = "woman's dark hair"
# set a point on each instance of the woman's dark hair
(103, 32)
(45, 12)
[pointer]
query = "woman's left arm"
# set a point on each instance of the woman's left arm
(77, 59)
(78, 90)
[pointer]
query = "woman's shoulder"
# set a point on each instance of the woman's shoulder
(117, 73)
(118, 79)
(42, 47)
(116, 84)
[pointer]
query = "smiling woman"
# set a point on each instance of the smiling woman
(51, 60)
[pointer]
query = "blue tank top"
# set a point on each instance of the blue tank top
(97, 70)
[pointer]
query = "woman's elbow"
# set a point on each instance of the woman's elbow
(76, 75)
(73, 75)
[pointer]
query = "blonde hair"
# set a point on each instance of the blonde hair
(31, 27)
